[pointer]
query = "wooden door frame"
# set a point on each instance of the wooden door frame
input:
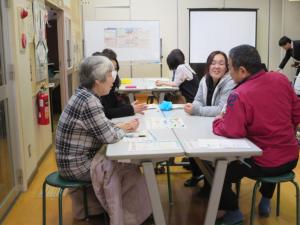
(61, 52)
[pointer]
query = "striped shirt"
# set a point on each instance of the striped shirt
(81, 131)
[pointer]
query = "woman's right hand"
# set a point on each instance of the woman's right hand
(188, 108)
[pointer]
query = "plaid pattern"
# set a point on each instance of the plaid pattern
(82, 129)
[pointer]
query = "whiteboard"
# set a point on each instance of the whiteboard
(131, 40)
(215, 29)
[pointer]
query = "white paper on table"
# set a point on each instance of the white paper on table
(217, 143)
(175, 122)
(152, 146)
(177, 106)
(163, 123)
(152, 106)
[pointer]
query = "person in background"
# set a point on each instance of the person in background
(183, 77)
(250, 114)
(113, 104)
(292, 49)
(81, 136)
(214, 89)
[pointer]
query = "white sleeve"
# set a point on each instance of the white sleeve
(182, 73)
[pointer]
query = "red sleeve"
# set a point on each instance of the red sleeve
(233, 123)
(295, 109)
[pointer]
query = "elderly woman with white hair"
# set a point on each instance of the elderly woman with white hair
(81, 135)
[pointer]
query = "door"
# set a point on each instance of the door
(8, 187)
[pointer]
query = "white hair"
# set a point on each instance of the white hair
(94, 68)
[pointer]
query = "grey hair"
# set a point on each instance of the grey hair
(94, 68)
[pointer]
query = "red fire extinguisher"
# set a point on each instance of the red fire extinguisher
(43, 107)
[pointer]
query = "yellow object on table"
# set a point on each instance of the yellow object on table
(126, 81)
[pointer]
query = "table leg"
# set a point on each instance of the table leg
(206, 170)
(157, 209)
(215, 194)
(161, 97)
(131, 97)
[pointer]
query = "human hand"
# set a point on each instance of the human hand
(139, 107)
(188, 108)
(295, 65)
(129, 126)
(158, 83)
(220, 116)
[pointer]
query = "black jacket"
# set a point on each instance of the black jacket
(113, 104)
(295, 53)
(189, 88)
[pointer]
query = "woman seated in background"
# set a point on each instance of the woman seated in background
(214, 89)
(113, 104)
(183, 77)
(81, 135)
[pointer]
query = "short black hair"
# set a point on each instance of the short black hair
(175, 58)
(97, 54)
(246, 56)
(284, 40)
(109, 53)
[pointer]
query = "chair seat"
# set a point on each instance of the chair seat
(54, 179)
(278, 179)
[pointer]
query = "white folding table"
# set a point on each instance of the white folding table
(146, 85)
(121, 151)
(197, 127)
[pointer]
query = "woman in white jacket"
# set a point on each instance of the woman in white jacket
(211, 98)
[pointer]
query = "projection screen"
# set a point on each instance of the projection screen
(220, 29)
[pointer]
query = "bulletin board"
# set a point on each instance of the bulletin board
(131, 40)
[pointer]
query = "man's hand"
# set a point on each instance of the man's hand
(220, 116)
(139, 107)
(188, 108)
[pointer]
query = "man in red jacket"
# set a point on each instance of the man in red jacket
(264, 108)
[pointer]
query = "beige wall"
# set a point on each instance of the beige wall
(28, 150)
(35, 139)
(274, 18)
(290, 28)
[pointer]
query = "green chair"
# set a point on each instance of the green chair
(288, 177)
(55, 180)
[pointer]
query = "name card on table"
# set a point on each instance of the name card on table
(217, 143)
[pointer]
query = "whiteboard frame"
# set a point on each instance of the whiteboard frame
(136, 54)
